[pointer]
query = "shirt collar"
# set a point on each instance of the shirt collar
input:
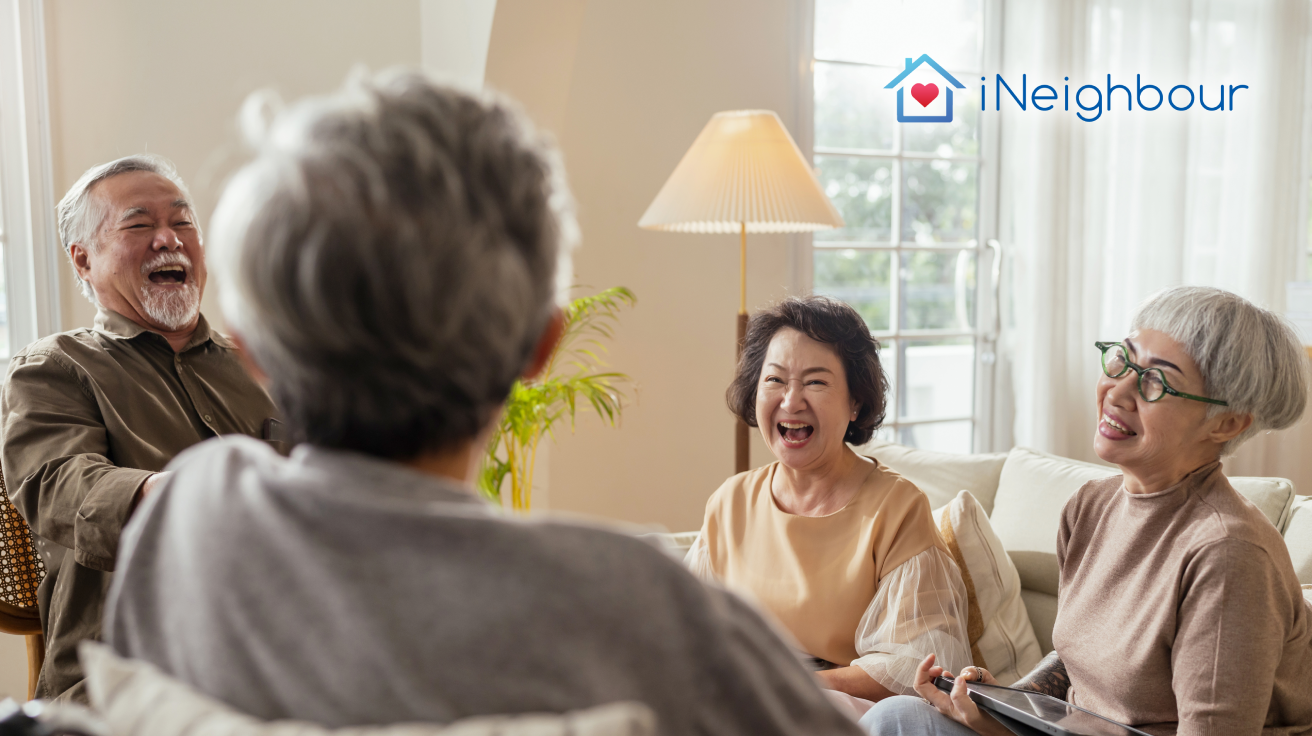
(112, 323)
(356, 473)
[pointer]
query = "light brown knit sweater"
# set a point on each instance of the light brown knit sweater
(1182, 606)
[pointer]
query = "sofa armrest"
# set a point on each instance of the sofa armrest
(677, 543)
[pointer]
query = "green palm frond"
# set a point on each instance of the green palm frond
(574, 378)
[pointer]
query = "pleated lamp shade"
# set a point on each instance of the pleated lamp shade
(743, 168)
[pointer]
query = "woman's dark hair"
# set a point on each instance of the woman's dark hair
(833, 323)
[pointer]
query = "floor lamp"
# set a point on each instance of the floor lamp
(743, 174)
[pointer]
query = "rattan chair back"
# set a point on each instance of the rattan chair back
(21, 572)
(21, 568)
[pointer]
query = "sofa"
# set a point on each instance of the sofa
(1023, 491)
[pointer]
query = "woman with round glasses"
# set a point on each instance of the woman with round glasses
(1178, 607)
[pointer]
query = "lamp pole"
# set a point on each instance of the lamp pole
(741, 448)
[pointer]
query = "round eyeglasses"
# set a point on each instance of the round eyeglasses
(1152, 381)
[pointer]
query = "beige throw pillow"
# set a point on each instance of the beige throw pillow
(939, 475)
(1001, 637)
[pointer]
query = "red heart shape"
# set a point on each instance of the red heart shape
(924, 93)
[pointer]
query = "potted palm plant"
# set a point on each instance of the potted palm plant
(575, 377)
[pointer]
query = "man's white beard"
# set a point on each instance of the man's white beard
(171, 308)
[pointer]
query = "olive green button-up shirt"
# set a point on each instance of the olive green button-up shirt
(88, 415)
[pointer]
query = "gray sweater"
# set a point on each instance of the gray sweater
(346, 590)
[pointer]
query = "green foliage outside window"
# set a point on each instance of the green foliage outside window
(861, 278)
(939, 289)
(938, 201)
(861, 189)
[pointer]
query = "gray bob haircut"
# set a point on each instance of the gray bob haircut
(1250, 357)
(80, 214)
(391, 257)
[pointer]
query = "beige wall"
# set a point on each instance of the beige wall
(128, 76)
(626, 86)
(13, 667)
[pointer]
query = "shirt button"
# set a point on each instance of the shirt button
(209, 418)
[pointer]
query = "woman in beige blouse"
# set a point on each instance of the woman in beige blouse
(840, 549)
(1178, 607)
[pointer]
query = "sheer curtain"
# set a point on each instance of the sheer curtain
(1096, 216)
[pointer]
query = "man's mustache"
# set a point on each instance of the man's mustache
(166, 259)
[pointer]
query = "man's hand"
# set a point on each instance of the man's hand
(148, 487)
(957, 705)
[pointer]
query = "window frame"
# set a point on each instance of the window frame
(29, 236)
(987, 250)
(1303, 269)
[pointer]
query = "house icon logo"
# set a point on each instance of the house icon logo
(920, 75)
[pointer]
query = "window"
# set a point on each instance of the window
(915, 198)
(29, 250)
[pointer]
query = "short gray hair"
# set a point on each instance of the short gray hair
(391, 257)
(1250, 357)
(80, 215)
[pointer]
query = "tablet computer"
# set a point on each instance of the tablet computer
(1041, 712)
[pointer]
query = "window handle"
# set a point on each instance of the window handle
(996, 270)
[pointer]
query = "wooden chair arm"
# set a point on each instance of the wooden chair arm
(19, 621)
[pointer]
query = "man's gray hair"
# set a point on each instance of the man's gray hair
(1250, 357)
(391, 258)
(80, 214)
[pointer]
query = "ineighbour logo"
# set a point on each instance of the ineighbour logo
(923, 77)
(1089, 97)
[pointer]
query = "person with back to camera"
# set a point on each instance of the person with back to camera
(1178, 608)
(393, 259)
(843, 551)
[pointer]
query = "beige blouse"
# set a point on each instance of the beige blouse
(872, 584)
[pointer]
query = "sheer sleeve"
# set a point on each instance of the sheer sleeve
(919, 609)
(698, 560)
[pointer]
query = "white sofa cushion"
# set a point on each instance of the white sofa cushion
(1034, 486)
(1001, 637)
(676, 543)
(1032, 490)
(1298, 537)
(941, 475)
(1273, 496)
(135, 699)
(1042, 608)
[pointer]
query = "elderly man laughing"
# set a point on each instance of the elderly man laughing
(90, 416)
